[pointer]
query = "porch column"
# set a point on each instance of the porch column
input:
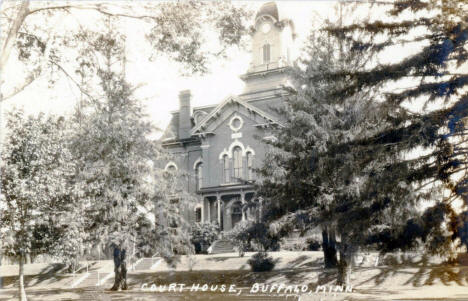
(219, 212)
(209, 209)
(243, 203)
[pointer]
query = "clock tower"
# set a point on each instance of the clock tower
(272, 39)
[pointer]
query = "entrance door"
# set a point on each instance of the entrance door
(236, 213)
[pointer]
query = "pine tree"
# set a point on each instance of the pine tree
(125, 194)
(429, 112)
(324, 170)
(301, 177)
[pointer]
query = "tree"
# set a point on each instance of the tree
(177, 29)
(437, 86)
(296, 172)
(319, 171)
(35, 173)
(380, 158)
(129, 201)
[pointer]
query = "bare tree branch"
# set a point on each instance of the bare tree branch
(73, 80)
(29, 80)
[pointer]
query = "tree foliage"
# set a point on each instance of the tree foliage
(36, 169)
(36, 194)
(177, 29)
(129, 202)
(437, 73)
(354, 157)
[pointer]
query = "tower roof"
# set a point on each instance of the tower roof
(269, 9)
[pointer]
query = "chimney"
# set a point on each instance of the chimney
(185, 114)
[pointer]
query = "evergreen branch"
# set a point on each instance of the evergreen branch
(73, 80)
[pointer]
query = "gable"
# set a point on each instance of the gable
(233, 116)
(224, 109)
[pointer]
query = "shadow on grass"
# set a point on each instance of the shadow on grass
(221, 259)
(421, 272)
(304, 262)
(50, 273)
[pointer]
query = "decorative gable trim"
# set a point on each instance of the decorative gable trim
(217, 112)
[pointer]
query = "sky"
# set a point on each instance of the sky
(161, 80)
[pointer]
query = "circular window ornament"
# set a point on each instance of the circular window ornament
(236, 123)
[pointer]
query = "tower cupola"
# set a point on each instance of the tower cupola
(272, 39)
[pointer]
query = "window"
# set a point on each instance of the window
(198, 215)
(174, 207)
(249, 166)
(236, 123)
(199, 175)
(226, 168)
(266, 53)
(171, 167)
(170, 170)
(237, 157)
(236, 213)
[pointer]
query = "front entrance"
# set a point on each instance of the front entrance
(236, 213)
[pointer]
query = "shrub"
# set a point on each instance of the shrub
(261, 262)
(240, 237)
(252, 236)
(313, 244)
(203, 235)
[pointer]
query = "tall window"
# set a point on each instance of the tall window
(266, 53)
(226, 168)
(198, 215)
(249, 166)
(174, 207)
(199, 172)
(237, 157)
(170, 170)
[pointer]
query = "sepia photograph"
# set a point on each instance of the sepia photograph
(220, 150)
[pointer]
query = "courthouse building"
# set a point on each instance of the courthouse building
(220, 145)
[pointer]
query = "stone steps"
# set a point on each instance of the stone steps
(95, 279)
(222, 246)
(146, 264)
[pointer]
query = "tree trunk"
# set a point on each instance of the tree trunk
(120, 269)
(22, 292)
(329, 248)
(345, 267)
(10, 40)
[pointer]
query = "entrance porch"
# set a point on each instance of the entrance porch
(227, 209)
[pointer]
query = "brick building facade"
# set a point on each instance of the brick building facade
(220, 145)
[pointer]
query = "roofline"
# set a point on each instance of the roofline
(196, 108)
(223, 103)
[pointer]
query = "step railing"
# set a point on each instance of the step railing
(154, 257)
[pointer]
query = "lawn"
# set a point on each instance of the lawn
(406, 277)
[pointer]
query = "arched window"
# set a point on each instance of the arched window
(170, 170)
(266, 53)
(174, 208)
(171, 167)
(249, 166)
(199, 175)
(237, 158)
(198, 215)
(226, 169)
